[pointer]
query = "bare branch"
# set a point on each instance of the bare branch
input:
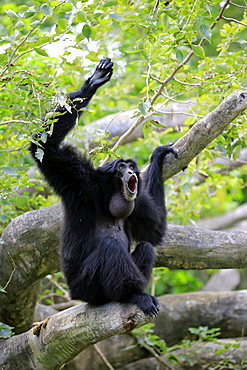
(14, 121)
(238, 5)
(234, 20)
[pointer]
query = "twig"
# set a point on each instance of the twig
(12, 273)
(233, 20)
(50, 278)
(160, 359)
(11, 150)
(103, 358)
(239, 6)
(13, 121)
(186, 83)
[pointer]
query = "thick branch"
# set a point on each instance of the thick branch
(61, 337)
(67, 333)
(29, 253)
(203, 132)
(225, 310)
(191, 248)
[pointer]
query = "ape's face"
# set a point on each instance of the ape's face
(128, 174)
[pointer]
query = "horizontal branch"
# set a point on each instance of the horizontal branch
(59, 338)
(193, 248)
(179, 312)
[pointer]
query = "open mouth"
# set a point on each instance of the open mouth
(132, 184)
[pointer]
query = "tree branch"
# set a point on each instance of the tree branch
(192, 248)
(225, 310)
(59, 338)
(203, 132)
(225, 221)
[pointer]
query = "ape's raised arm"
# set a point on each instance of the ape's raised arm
(63, 166)
(77, 100)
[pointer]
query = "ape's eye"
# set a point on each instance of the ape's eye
(132, 167)
(121, 167)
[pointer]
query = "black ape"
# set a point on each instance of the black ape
(106, 209)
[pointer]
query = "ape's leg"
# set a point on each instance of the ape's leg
(109, 274)
(144, 258)
(122, 279)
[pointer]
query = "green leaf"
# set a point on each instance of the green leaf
(236, 152)
(147, 128)
(144, 108)
(3, 57)
(22, 202)
(47, 10)
(110, 3)
(39, 154)
(41, 52)
(198, 50)
(156, 123)
(62, 23)
(19, 25)
(205, 32)
(81, 17)
(5, 330)
(11, 13)
(44, 136)
(164, 21)
(117, 17)
(179, 55)
(87, 31)
(64, 8)
(2, 290)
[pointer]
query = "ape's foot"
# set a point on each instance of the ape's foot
(147, 303)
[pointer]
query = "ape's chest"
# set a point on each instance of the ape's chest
(112, 229)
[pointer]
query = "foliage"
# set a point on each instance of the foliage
(175, 281)
(168, 356)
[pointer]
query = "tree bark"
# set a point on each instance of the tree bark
(59, 338)
(29, 253)
(224, 310)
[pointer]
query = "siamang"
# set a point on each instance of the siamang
(106, 209)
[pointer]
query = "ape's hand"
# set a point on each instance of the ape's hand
(102, 73)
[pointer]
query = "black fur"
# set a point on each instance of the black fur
(95, 253)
